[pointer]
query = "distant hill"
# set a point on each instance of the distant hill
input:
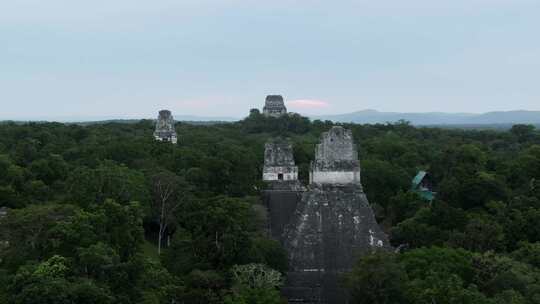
(490, 120)
(438, 118)
(106, 119)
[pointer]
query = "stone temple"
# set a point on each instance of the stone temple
(165, 130)
(283, 187)
(274, 106)
(279, 161)
(326, 227)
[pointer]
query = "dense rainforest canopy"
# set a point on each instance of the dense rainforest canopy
(102, 213)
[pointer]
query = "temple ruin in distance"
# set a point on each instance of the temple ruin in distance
(165, 130)
(274, 106)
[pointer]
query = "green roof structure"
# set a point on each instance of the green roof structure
(418, 178)
(421, 186)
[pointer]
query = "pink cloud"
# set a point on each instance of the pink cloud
(308, 104)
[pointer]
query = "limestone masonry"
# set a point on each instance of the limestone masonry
(279, 161)
(336, 159)
(165, 127)
(274, 106)
(326, 227)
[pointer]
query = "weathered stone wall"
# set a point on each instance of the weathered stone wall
(340, 220)
(337, 145)
(281, 203)
(273, 173)
(336, 159)
(278, 152)
(332, 226)
(279, 161)
(335, 177)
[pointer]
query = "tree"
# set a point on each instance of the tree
(419, 263)
(203, 287)
(495, 273)
(430, 226)
(383, 180)
(446, 289)
(51, 282)
(254, 113)
(522, 132)
(49, 169)
(404, 205)
(28, 232)
(441, 275)
(109, 180)
(269, 252)
(481, 234)
(256, 276)
(214, 234)
(95, 260)
(255, 284)
(377, 278)
(169, 192)
(528, 253)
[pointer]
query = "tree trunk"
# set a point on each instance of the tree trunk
(160, 236)
(161, 225)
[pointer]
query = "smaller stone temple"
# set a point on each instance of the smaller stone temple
(274, 106)
(336, 159)
(165, 130)
(279, 162)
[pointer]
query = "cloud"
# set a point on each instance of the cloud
(308, 104)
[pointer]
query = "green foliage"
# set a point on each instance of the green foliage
(430, 225)
(377, 279)
(443, 289)
(269, 252)
(108, 181)
(442, 275)
(30, 233)
(522, 132)
(528, 253)
(481, 234)
(383, 180)
(255, 283)
(494, 273)
(215, 234)
(55, 267)
(438, 261)
(81, 227)
(256, 276)
(204, 287)
(51, 282)
(255, 296)
(404, 205)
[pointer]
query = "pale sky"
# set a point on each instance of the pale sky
(130, 58)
